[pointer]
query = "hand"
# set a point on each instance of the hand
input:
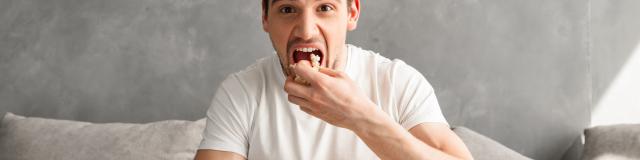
(331, 96)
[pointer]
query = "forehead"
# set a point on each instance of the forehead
(274, 1)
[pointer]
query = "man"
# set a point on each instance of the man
(359, 105)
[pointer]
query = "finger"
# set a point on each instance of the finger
(318, 114)
(309, 111)
(299, 101)
(304, 70)
(304, 105)
(296, 89)
(315, 113)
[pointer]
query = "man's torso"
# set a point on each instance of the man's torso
(277, 129)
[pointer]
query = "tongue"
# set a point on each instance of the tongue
(298, 56)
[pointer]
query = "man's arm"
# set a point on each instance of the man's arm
(389, 140)
(333, 97)
(206, 154)
(441, 137)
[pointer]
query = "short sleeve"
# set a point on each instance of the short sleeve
(417, 102)
(227, 123)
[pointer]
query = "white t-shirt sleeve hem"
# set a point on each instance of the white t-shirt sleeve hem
(220, 147)
(428, 112)
(409, 125)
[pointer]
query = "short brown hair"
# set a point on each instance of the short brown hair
(265, 5)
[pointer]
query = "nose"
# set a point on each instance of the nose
(306, 27)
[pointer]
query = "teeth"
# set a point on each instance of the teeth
(306, 49)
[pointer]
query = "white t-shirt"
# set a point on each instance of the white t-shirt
(251, 116)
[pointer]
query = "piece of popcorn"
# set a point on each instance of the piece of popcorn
(315, 64)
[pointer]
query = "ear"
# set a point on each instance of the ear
(354, 14)
(265, 24)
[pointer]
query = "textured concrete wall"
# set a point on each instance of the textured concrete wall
(515, 70)
(121, 60)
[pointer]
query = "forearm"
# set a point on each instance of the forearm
(389, 140)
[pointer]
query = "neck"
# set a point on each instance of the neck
(341, 60)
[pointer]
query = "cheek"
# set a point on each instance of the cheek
(335, 33)
(335, 28)
(279, 35)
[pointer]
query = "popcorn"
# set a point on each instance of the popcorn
(315, 64)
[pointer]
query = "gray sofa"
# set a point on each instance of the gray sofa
(26, 138)
(30, 138)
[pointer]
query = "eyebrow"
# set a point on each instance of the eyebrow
(274, 1)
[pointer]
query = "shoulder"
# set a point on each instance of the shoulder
(255, 71)
(395, 69)
(254, 74)
(379, 61)
(407, 77)
(368, 56)
(244, 84)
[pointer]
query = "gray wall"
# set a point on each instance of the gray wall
(122, 60)
(517, 71)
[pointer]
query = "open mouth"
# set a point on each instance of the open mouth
(313, 55)
(305, 54)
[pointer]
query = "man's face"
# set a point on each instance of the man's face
(294, 26)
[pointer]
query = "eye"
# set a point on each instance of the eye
(325, 8)
(287, 9)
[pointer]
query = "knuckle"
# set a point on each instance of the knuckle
(322, 81)
(290, 87)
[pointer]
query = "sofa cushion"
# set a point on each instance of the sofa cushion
(484, 148)
(23, 138)
(612, 142)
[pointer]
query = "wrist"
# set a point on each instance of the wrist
(375, 121)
